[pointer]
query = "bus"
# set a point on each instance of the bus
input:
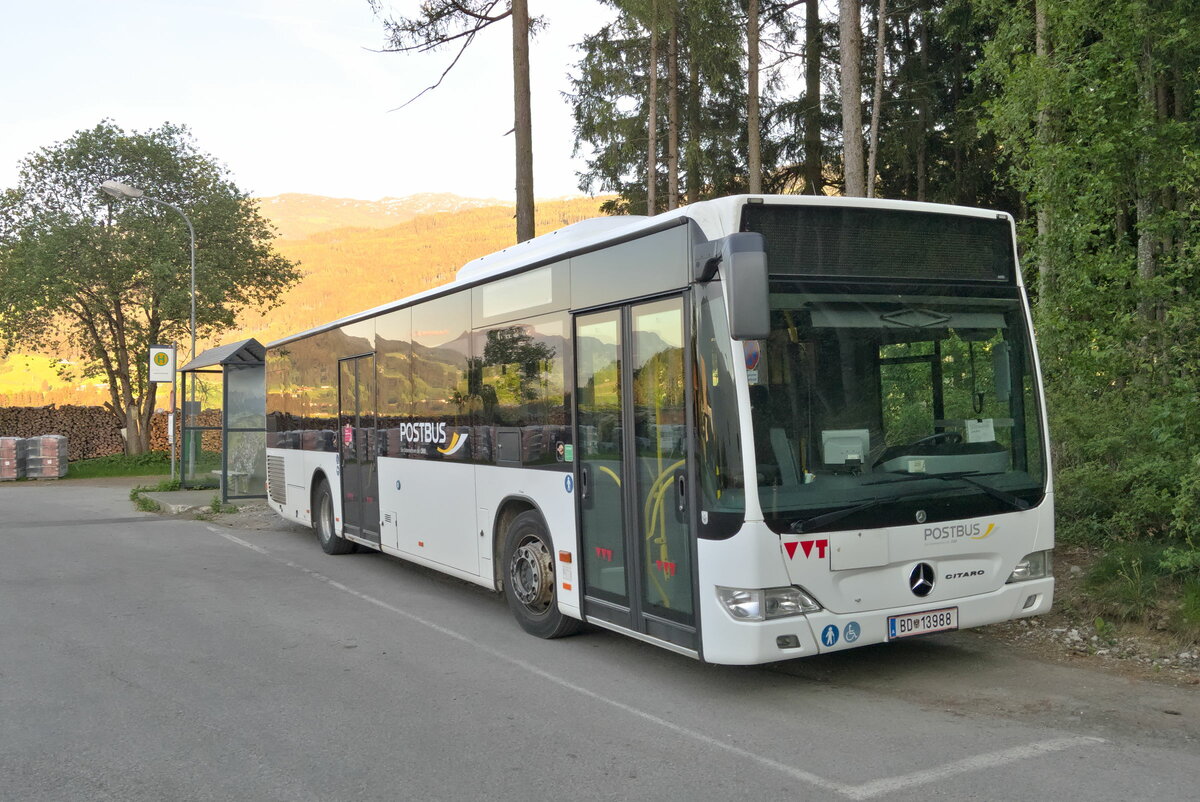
(747, 430)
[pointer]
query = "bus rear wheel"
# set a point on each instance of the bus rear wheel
(530, 586)
(331, 542)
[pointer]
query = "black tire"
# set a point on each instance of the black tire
(530, 585)
(331, 542)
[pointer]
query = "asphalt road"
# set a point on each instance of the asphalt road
(144, 657)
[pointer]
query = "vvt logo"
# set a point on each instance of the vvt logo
(808, 547)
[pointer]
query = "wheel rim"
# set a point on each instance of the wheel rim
(531, 574)
(325, 519)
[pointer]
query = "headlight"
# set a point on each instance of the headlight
(1033, 566)
(763, 604)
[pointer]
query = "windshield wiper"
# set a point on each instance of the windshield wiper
(1000, 495)
(809, 524)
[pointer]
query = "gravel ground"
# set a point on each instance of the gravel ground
(1062, 636)
(1066, 635)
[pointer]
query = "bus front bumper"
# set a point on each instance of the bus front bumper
(731, 642)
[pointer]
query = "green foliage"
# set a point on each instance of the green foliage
(1189, 610)
(81, 273)
(1181, 561)
(1100, 128)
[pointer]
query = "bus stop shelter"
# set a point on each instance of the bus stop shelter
(224, 430)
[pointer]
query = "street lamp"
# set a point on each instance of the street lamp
(121, 191)
(125, 192)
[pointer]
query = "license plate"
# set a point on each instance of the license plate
(905, 626)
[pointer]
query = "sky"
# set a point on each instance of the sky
(289, 95)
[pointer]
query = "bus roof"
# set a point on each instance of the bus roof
(715, 218)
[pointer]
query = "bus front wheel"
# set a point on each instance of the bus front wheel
(529, 580)
(323, 522)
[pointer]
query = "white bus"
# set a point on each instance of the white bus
(751, 429)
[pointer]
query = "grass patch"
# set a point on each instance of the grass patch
(146, 504)
(1124, 583)
(150, 464)
(1146, 583)
(217, 507)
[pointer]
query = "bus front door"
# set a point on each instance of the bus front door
(633, 450)
(356, 444)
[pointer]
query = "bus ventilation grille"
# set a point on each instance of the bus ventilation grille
(276, 483)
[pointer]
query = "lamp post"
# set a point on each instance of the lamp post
(121, 191)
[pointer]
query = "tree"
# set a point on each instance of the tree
(80, 273)
(1095, 104)
(444, 22)
(706, 112)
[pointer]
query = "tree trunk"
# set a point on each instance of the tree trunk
(754, 151)
(877, 101)
(652, 116)
(522, 124)
(143, 414)
(850, 28)
(673, 113)
(1045, 221)
(694, 179)
(923, 108)
(814, 178)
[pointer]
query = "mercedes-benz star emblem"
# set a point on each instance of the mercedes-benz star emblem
(920, 516)
(921, 579)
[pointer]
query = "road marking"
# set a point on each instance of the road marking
(974, 763)
(866, 790)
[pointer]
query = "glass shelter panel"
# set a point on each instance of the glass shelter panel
(247, 464)
(203, 406)
(244, 397)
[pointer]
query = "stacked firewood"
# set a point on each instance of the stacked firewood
(96, 432)
(211, 440)
(90, 431)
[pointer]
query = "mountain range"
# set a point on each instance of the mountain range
(297, 216)
(354, 254)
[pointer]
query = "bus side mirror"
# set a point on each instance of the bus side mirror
(742, 261)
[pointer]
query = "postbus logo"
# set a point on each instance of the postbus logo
(457, 441)
(423, 433)
(953, 533)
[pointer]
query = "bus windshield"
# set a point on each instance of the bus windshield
(882, 410)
